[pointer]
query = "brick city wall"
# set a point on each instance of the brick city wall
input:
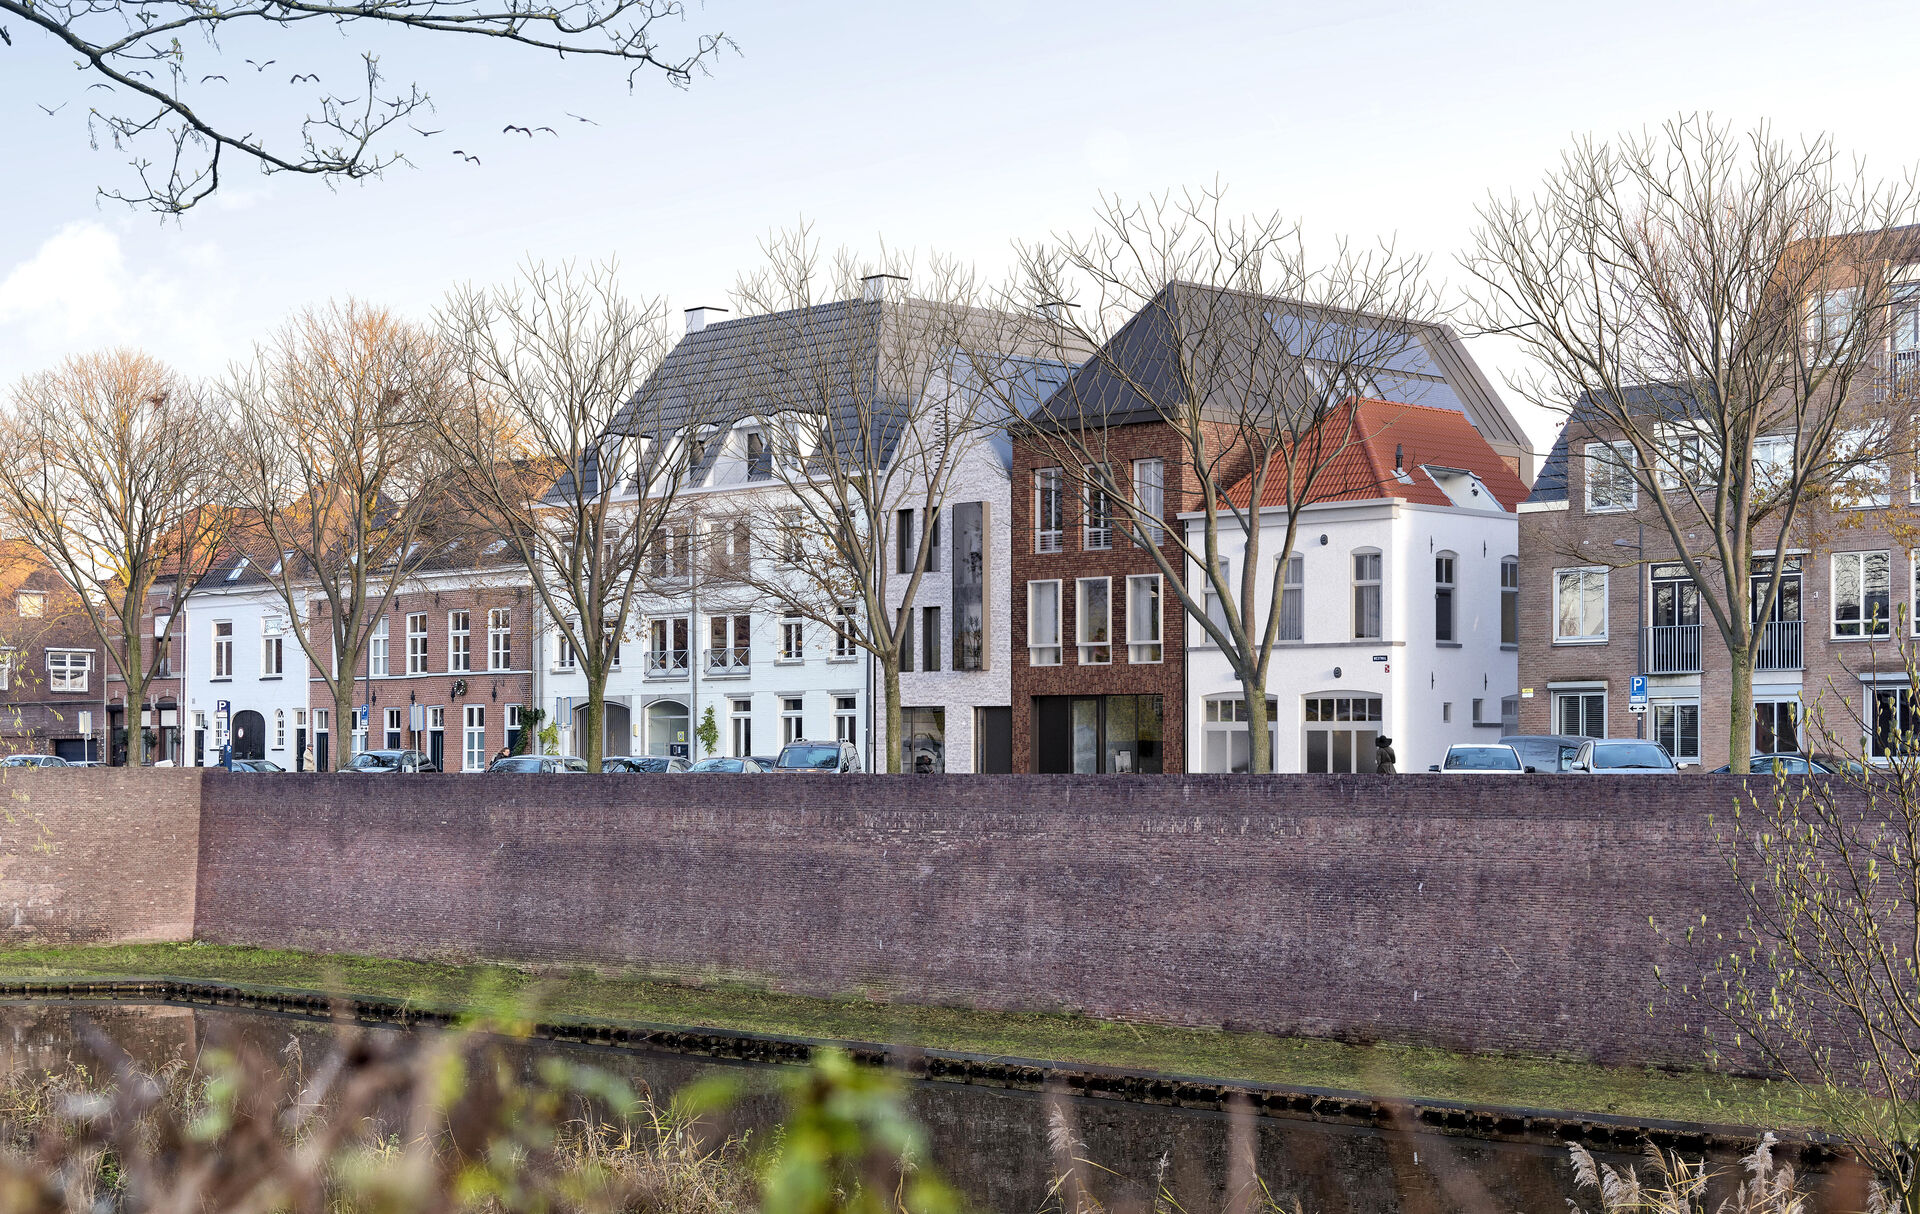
(1491, 914)
(98, 855)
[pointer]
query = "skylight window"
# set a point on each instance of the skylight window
(239, 567)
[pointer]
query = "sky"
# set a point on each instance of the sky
(950, 127)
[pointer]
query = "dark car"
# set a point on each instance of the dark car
(257, 766)
(1623, 756)
(1551, 753)
(390, 762)
(837, 757)
(1784, 764)
(766, 762)
(533, 765)
(642, 764)
(735, 766)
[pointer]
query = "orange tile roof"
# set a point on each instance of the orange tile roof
(1360, 437)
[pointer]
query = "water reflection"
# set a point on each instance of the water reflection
(991, 1143)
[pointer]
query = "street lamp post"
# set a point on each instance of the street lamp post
(1639, 547)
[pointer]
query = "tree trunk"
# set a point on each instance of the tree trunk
(596, 726)
(1740, 711)
(136, 736)
(341, 739)
(890, 681)
(1259, 741)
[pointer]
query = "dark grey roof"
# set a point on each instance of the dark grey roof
(1662, 402)
(1551, 483)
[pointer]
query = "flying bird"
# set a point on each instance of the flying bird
(521, 129)
(299, 76)
(586, 120)
(261, 67)
(549, 130)
(56, 109)
(416, 130)
(204, 79)
(458, 152)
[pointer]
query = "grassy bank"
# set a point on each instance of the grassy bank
(1386, 1070)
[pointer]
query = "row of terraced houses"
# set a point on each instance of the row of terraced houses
(1442, 594)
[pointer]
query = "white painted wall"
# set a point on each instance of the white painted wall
(282, 698)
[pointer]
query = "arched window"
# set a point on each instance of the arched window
(1224, 741)
(1366, 595)
(1341, 730)
(1443, 586)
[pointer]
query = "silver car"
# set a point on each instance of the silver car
(1623, 756)
(1482, 759)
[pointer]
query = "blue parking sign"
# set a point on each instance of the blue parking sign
(1637, 690)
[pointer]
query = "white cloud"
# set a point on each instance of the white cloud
(70, 287)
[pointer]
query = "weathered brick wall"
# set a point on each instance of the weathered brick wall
(1494, 914)
(97, 855)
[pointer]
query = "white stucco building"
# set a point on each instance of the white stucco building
(1400, 611)
(241, 647)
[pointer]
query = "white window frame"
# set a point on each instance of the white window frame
(793, 719)
(459, 642)
(1621, 459)
(1144, 647)
(1557, 694)
(1150, 499)
(30, 604)
(7, 657)
(417, 643)
(1292, 572)
(564, 657)
(279, 729)
(1862, 627)
(377, 650)
(1446, 580)
(845, 647)
(1868, 485)
(846, 719)
(273, 656)
(1044, 654)
(1093, 645)
(222, 654)
(1049, 482)
(72, 672)
(499, 638)
(1660, 708)
(473, 737)
(793, 638)
(1582, 572)
(1376, 583)
(740, 725)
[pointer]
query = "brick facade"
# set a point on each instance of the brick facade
(1166, 678)
(43, 711)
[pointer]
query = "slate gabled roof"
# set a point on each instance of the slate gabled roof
(1661, 402)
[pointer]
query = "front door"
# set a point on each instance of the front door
(300, 749)
(249, 735)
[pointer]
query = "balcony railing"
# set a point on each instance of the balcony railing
(1780, 647)
(1670, 649)
(725, 662)
(666, 663)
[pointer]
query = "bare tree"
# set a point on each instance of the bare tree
(856, 402)
(171, 74)
(342, 487)
(555, 435)
(118, 488)
(1223, 329)
(1709, 310)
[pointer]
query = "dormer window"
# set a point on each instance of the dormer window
(30, 605)
(759, 457)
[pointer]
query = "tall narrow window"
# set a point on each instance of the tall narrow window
(792, 720)
(396, 728)
(1093, 620)
(459, 641)
(417, 643)
(1510, 601)
(793, 639)
(474, 749)
(565, 657)
(932, 515)
(759, 459)
(377, 650)
(1610, 483)
(930, 639)
(1216, 605)
(1862, 594)
(1043, 623)
(223, 649)
(500, 638)
(1579, 605)
(1676, 726)
(1143, 618)
(792, 536)
(844, 644)
(273, 648)
(162, 646)
(741, 719)
(1049, 510)
(1096, 530)
(1366, 597)
(846, 722)
(903, 541)
(1293, 592)
(1150, 499)
(1443, 565)
(279, 729)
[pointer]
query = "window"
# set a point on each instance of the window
(846, 722)
(667, 646)
(730, 642)
(1366, 596)
(1579, 605)
(1096, 524)
(163, 646)
(30, 605)
(1580, 714)
(740, 721)
(1043, 623)
(932, 515)
(67, 669)
(377, 650)
(1341, 732)
(1293, 591)
(273, 653)
(904, 552)
(1862, 477)
(792, 537)
(1224, 733)
(1862, 594)
(1093, 620)
(417, 643)
(1685, 456)
(1446, 712)
(1830, 321)
(1676, 726)
(513, 725)
(6, 669)
(565, 657)
(1216, 606)
(223, 649)
(1510, 602)
(845, 647)
(459, 641)
(279, 729)
(473, 750)
(396, 728)
(930, 639)
(500, 639)
(1150, 498)
(906, 640)
(759, 458)
(1610, 484)
(923, 740)
(791, 720)
(793, 639)
(1143, 618)
(1776, 726)
(1049, 511)
(1479, 713)
(1891, 714)
(1772, 466)
(1443, 565)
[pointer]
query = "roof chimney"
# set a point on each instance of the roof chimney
(697, 317)
(1057, 310)
(874, 288)
(1399, 457)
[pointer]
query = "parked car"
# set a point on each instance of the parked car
(1482, 759)
(389, 762)
(1786, 763)
(34, 761)
(528, 765)
(642, 764)
(257, 766)
(1548, 752)
(837, 757)
(1838, 764)
(736, 766)
(1623, 756)
(766, 762)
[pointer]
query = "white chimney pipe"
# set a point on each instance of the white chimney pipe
(697, 317)
(873, 288)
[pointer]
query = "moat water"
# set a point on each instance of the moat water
(992, 1143)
